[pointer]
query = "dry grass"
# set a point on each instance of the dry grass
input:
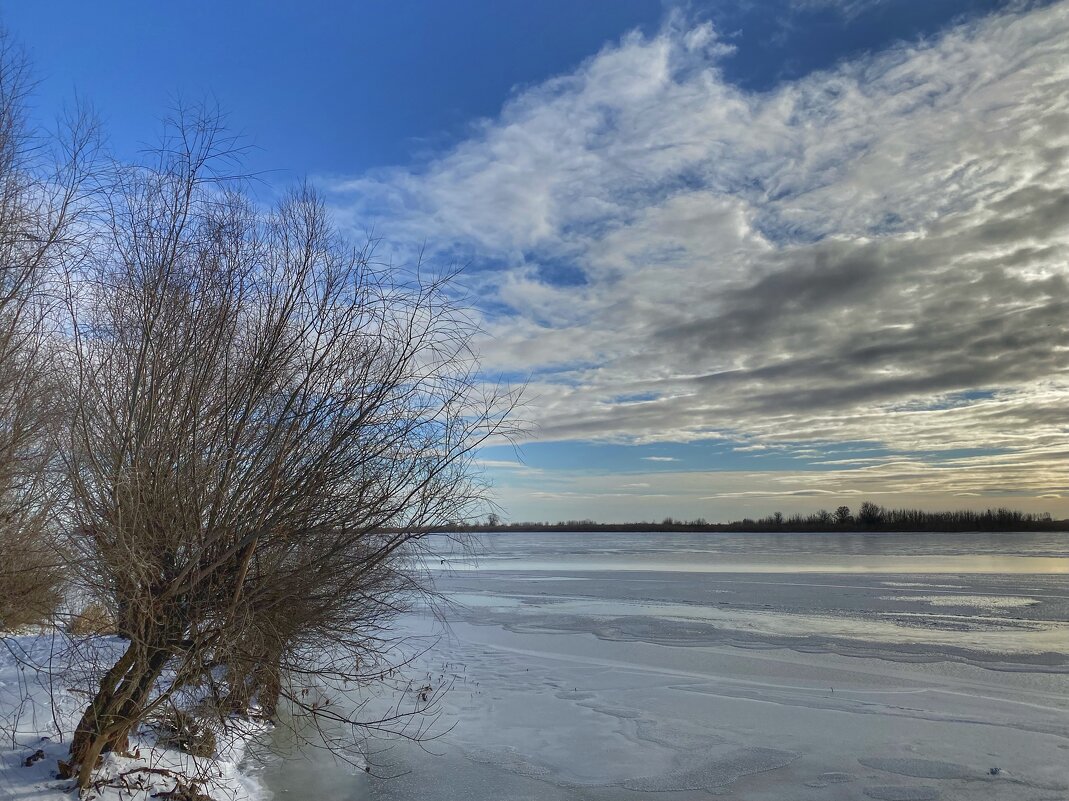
(29, 587)
(91, 620)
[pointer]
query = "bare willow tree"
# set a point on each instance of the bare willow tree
(265, 427)
(37, 213)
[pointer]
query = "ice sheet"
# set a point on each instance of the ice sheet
(664, 686)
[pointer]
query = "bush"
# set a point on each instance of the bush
(36, 201)
(92, 619)
(29, 585)
(181, 730)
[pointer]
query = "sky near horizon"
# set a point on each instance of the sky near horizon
(747, 256)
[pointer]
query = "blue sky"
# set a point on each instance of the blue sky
(335, 87)
(749, 256)
(324, 87)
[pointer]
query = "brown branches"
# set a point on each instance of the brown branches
(263, 425)
(233, 429)
(38, 216)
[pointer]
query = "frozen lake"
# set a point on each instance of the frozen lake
(749, 666)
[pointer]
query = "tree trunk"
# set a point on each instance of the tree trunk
(258, 679)
(269, 687)
(117, 707)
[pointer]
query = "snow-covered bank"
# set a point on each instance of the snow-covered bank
(45, 681)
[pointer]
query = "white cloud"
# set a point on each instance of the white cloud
(732, 495)
(834, 260)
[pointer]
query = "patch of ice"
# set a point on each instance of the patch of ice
(828, 779)
(508, 759)
(921, 793)
(574, 695)
(716, 772)
(919, 768)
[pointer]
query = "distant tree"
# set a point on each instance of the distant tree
(493, 520)
(777, 519)
(843, 516)
(823, 517)
(870, 514)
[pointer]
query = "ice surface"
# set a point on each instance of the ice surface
(922, 768)
(828, 779)
(618, 685)
(896, 793)
(716, 772)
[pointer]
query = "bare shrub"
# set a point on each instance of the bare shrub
(180, 729)
(265, 429)
(36, 217)
(92, 620)
(25, 598)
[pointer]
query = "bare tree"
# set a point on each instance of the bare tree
(37, 214)
(870, 514)
(266, 426)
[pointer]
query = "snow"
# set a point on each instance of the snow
(45, 680)
(976, 601)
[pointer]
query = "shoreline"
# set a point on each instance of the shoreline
(1055, 526)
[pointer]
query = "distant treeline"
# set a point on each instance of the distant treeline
(869, 517)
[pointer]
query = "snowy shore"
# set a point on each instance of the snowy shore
(45, 681)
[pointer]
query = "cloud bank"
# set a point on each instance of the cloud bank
(877, 253)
